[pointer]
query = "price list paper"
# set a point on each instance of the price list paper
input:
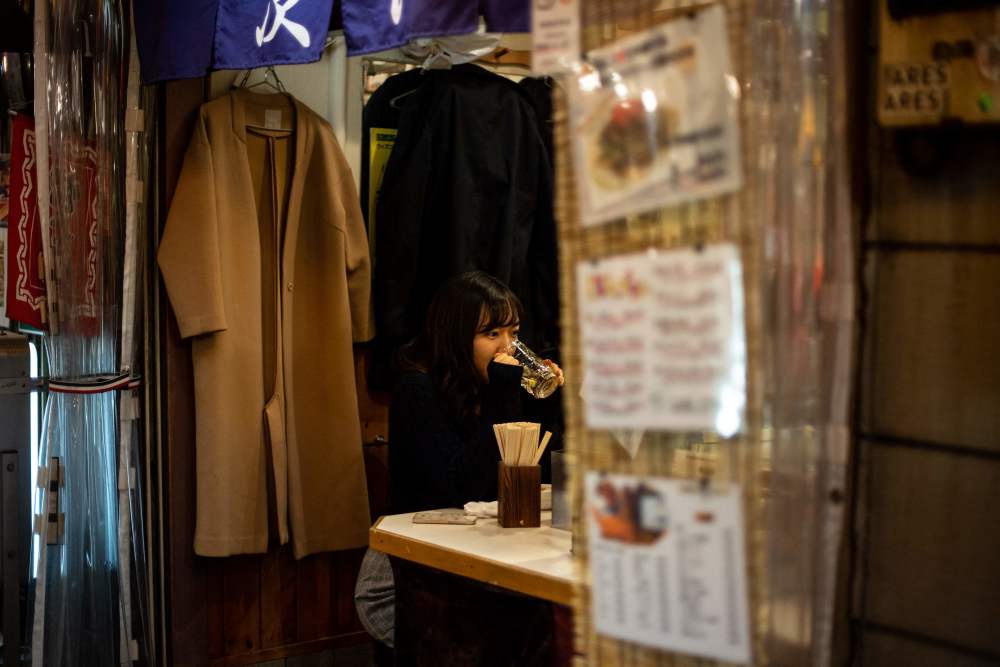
(668, 565)
(663, 340)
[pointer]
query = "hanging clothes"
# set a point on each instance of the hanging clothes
(266, 264)
(539, 90)
(468, 186)
(381, 114)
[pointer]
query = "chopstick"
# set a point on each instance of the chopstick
(518, 443)
(541, 448)
(499, 436)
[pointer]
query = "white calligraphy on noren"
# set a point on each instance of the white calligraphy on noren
(396, 11)
(297, 30)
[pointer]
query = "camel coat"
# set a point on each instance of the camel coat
(265, 260)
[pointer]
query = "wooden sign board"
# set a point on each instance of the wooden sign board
(939, 67)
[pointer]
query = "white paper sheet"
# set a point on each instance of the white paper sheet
(555, 36)
(663, 340)
(668, 566)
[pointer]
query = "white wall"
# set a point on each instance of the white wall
(331, 87)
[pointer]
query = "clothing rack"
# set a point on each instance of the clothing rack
(502, 57)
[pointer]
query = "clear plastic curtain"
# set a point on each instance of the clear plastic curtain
(78, 608)
(799, 106)
(131, 516)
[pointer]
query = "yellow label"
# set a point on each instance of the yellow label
(939, 66)
(380, 143)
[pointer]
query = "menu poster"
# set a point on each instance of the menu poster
(654, 119)
(555, 36)
(663, 340)
(668, 566)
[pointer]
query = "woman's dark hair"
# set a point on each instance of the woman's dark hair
(463, 306)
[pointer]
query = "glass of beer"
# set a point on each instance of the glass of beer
(537, 378)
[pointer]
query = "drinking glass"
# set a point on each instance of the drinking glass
(537, 378)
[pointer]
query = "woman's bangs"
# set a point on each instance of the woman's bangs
(499, 314)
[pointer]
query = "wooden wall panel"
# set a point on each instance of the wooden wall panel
(188, 621)
(345, 576)
(241, 606)
(372, 405)
(933, 546)
(315, 606)
(214, 601)
(932, 352)
(882, 650)
(377, 465)
(949, 205)
(926, 540)
(278, 598)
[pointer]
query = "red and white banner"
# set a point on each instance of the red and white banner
(4, 321)
(25, 267)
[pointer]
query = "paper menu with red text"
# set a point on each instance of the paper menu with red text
(663, 341)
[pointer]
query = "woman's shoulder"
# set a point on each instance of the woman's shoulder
(416, 400)
(414, 378)
(413, 384)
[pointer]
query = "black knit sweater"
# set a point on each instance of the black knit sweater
(435, 461)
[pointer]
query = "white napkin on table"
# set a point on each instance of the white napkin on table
(481, 509)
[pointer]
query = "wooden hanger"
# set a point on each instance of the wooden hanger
(504, 57)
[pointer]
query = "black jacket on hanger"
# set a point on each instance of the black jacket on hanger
(539, 90)
(379, 112)
(468, 186)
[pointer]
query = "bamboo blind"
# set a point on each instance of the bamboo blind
(695, 455)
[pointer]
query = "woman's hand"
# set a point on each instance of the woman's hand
(504, 358)
(555, 369)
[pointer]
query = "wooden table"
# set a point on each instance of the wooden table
(533, 561)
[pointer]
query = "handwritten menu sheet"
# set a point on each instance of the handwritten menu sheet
(668, 566)
(663, 340)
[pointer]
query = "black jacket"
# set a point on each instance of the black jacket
(468, 186)
(380, 112)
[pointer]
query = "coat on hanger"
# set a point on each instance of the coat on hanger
(265, 260)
